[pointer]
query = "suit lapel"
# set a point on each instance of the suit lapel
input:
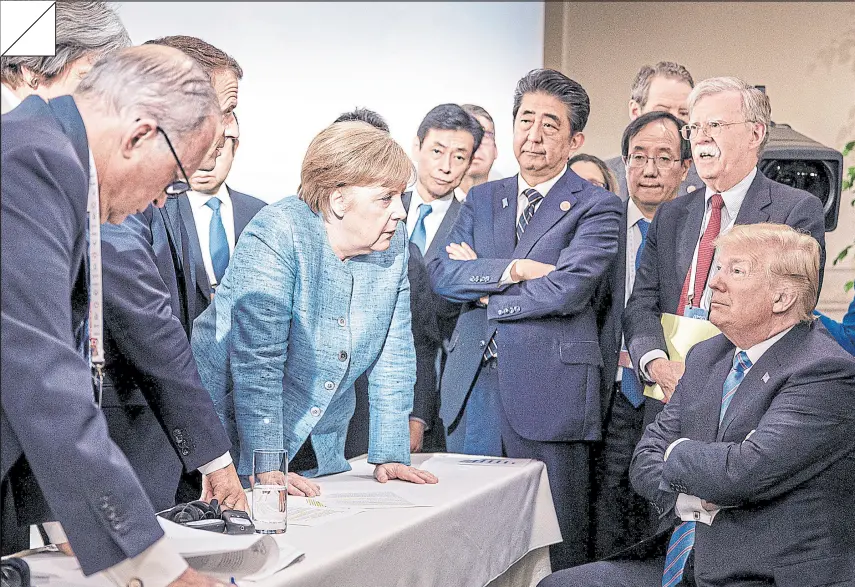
(240, 213)
(710, 398)
(406, 197)
(443, 230)
(693, 217)
(757, 199)
(551, 210)
(618, 287)
(195, 247)
(505, 218)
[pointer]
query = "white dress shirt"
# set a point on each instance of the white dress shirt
(689, 507)
(202, 216)
(439, 207)
(522, 203)
(733, 199)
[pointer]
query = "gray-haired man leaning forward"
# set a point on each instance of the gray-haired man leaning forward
(69, 165)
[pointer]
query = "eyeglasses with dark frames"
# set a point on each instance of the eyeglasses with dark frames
(176, 187)
(638, 160)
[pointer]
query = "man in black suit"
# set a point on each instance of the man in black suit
(728, 129)
(157, 410)
(443, 148)
(214, 216)
(69, 165)
(754, 456)
(657, 159)
(663, 87)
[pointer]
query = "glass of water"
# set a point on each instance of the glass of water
(270, 491)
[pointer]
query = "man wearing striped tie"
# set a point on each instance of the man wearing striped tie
(525, 256)
(753, 455)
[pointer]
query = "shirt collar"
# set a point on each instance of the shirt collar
(633, 214)
(754, 353)
(440, 205)
(198, 200)
(542, 188)
(734, 196)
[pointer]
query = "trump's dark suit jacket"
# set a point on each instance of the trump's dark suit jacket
(671, 241)
(158, 411)
(549, 370)
(787, 489)
(244, 208)
(48, 416)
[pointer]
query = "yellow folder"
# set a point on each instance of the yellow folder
(681, 334)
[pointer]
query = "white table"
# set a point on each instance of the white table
(487, 524)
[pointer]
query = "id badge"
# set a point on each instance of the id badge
(696, 313)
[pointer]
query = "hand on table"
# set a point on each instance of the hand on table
(667, 374)
(65, 548)
(224, 486)
(388, 471)
(417, 435)
(297, 484)
(191, 578)
(461, 252)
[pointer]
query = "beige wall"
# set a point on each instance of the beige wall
(789, 47)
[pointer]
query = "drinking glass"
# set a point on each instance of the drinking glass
(270, 491)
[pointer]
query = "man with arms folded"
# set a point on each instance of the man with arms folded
(657, 159)
(754, 452)
(728, 128)
(664, 87)
(525, 256)
(68, 165)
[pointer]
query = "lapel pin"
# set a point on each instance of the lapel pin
(766, 377)
(504, 202)
(565, 205)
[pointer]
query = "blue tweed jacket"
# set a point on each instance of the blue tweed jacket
(290, 330)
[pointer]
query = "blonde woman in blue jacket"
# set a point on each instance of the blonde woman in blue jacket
(316, 294)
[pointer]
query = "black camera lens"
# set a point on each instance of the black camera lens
(811, 176)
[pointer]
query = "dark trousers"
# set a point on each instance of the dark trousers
(568, 465)
(478, 430)
(618, 573)
(621, 517)
(13, 538)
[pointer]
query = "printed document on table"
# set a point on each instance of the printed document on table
(362, 499)
(302, 513)
(495, 462)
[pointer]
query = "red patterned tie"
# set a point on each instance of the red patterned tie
(705, 256)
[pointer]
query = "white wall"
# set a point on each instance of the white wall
(305, 63)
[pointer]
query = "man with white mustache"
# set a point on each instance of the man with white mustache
(728, 128)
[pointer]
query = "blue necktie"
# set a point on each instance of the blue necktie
(630, 386)
(218, 242)
(419, 237)
(683, 538)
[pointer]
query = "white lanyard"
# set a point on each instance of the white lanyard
(96, 295)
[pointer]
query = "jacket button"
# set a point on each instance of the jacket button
(482, 344)
(315, 411)
(342, 322)
(329, 385)
(342, 356)
(517, 308)
(135, 582)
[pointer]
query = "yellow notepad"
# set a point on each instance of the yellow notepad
(681, 334)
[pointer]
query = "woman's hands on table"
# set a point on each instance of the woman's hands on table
(387, 471)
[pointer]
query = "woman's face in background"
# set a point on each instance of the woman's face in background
(590, 172)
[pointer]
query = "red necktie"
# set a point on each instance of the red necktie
(705, 256)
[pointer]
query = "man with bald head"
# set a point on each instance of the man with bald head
(141, 119)
(663, 87)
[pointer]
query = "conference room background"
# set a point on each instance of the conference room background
(305, 63)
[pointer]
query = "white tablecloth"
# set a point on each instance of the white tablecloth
(484, 519)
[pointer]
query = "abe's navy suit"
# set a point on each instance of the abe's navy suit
(49, 422)
(157, 409)
(244, 208)
(549, 364)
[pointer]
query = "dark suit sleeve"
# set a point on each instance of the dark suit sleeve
(138, 313)
(642, 317)
(46, 383)
(466, 281)
(645, 471)
(807, 427)
(579, 270)
(425, 335)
